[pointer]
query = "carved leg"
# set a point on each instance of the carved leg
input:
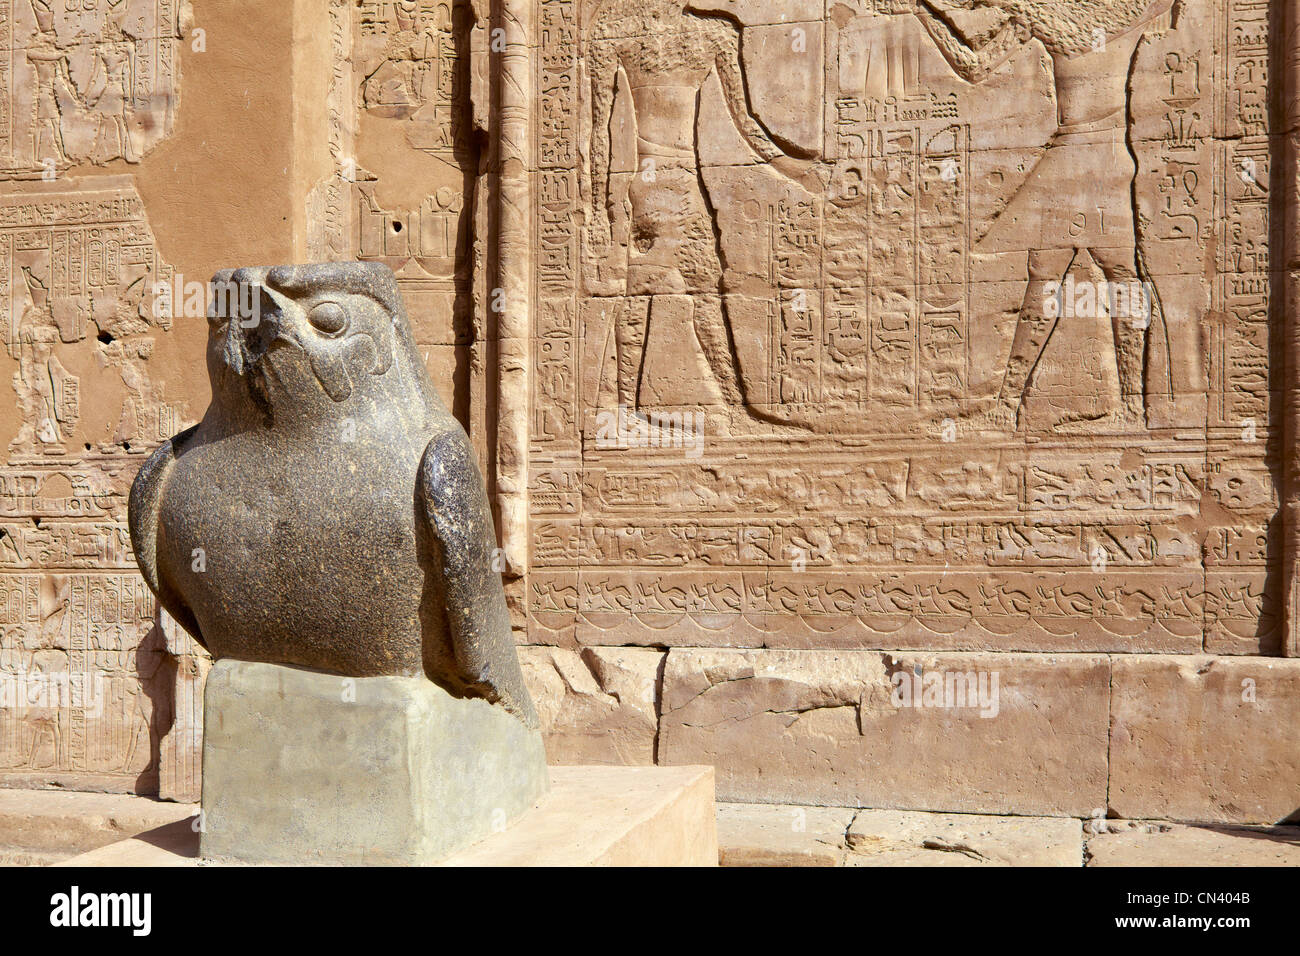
(1033, 329)
(715, 340)
(1130, 323)
(629, 345)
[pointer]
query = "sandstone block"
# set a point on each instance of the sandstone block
(825, 728)
(1205, 739)
(596, 706)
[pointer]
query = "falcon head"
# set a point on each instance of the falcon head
(310, 339)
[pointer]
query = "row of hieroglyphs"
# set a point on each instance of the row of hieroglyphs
(957, 543)
(936, 483)
(1001, 610)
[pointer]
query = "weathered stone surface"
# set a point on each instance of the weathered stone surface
(597, 706)
(180, 752)
(1156, 844)
(766, 835)
(301, 767)
(821, 727)
(897, 838)
(1201, 739)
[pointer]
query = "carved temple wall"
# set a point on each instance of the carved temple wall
(143, 144)
(805, 343)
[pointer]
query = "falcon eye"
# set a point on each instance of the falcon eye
(328, 318)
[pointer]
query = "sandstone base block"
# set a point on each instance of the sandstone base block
(1205, 739)
(825, 728)
(310, 768)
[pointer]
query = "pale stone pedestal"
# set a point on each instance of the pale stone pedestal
(592, 816)
(301, 767)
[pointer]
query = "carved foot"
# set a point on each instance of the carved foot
(1122, 421)
(1002, 417)
(741, 422)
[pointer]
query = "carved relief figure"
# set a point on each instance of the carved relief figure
(90, 81)
(51, 65)
(110, 92)
(37, 336)
(46, 718)
(408, 60)
(1077, 203)
(409, 75)
(663, 231)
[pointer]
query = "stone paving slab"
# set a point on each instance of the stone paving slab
(38, 827)
(1125, 843)
(906, 838)
(751, 834)
(592, 816)
(787, 835)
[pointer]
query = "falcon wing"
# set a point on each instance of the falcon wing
(482, 661)
(142, 517)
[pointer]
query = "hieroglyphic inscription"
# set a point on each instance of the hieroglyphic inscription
(860, 257)
(85, 677)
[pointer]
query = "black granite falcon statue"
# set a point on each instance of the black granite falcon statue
(327, 512)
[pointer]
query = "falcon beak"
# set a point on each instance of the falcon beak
(242, 300)
(271, 324)
(233, 351)
(275, 313)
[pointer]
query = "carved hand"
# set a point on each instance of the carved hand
(812, 175)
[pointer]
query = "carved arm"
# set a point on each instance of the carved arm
(603, 64)
(972, 65)
(784, 159)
